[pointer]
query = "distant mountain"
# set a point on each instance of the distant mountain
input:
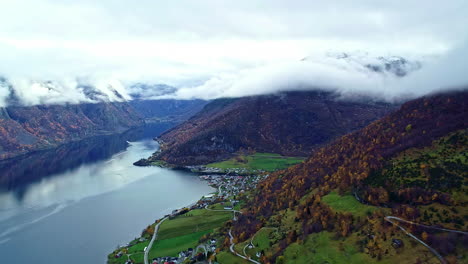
(28, 128)
(34, 167)
(410, 165)
(78, 90)
(29, 123)
(24, 129)
(292, 123)
(150, 91)
(396, 66)
(167, 110)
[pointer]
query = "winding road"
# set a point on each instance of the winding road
(253, 237)
(231, 248)
(202, 246)
(220, 192)
(390, 218)
(394, 219)
(426, 226)
(155, 234)
(231, 238)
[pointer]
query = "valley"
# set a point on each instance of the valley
(381, 194)
(24, 129)
(234, 132)
(290, 124)
(84, 198)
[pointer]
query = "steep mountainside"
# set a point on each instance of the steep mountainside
(23, 129)
(411, 164)
(292, 123)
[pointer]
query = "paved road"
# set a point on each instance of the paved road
(390, 220)
(393, 220)
(220, 192)
(251, 240)
(231, 248)
(202, 246)
(427, 226)
(155, 234)
(231, 238)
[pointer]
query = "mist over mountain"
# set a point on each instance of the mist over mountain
(344, 72)
(350, 74)
(389, 65)
(43, 114)
(145, 91)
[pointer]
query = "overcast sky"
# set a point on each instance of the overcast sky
(190, 43)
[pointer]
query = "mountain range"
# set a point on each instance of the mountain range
(24, 129)
(290, 123)
(407, 166)
(383, 183)
(29, 128)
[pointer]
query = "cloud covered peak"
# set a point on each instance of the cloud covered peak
(26, 92)
(354, 75)
(397, 65)
(345, 73)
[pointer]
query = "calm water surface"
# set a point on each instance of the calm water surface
(76, 203)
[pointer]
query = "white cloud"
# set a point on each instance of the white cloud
(4, 93)
(448, 73)
(217, 43)
(317, 72)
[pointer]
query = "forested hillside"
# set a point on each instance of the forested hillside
(23, 129)
(411, 164)
(292, 124)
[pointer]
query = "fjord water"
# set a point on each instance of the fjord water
(76, 203)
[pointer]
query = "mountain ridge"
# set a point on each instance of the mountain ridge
(24, 129)
(290, 123)
(341, 169)
(28, 128)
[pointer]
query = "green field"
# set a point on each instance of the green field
(258, 161)
(323, 247)
(136, 254)
(138, 247)
(184, 231)
(137, 258)
(172, 246)
(220, 206)
(347, 203)
(229, 258)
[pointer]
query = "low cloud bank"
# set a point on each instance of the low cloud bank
(351, 75)
(342, 73)
(26, 92)
(382, 78)
(448, 73)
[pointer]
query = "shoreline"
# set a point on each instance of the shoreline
(227, 190)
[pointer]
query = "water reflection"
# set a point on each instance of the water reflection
(91, 189)
(17, 173)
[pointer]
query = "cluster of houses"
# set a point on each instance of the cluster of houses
(229, 185)
(232, 185)
(209, 246)
(228, 171)
(166, 260)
